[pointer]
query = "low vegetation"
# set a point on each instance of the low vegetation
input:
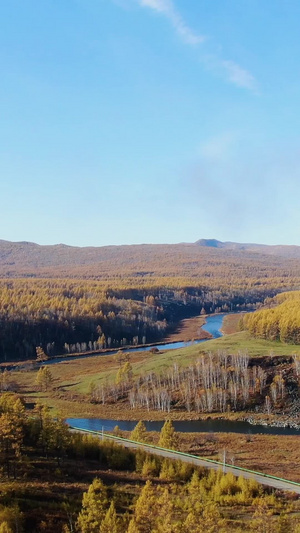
(199, 379)
(52, 479)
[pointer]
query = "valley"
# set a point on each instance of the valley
(114, 349)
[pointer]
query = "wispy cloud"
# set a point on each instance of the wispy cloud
(229, 69)
(167, 8)
(238, 75)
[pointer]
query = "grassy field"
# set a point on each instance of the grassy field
(277, 455)
(72, 379)
(242, 341)
(272, 454)
(76, 375)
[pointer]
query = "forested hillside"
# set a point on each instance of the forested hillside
(64, 316)
(279, 321)
(188, 261)
(68, 299)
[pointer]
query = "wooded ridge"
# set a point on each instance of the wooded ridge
(278, 321)
(68, 299)
(184, 259)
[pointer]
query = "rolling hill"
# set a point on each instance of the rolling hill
(205, 258)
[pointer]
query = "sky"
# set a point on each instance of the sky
(149, 121)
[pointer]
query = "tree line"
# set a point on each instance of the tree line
(183, 499)
(279, 320)
(214, 382)
(68, 316)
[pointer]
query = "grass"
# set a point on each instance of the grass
(272, 454)
(73, 378)
(242, 341)
(76, 375)
(278, 455)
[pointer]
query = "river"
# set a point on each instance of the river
(184, 426)
(212, 326)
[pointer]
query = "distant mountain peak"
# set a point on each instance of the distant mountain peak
(210, 243)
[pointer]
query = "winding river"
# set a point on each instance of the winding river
(213, 325)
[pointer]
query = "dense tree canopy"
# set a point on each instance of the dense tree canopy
(279, 320)
(56, 316)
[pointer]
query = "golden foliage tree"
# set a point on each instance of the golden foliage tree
(44, 378)
(94, 506)
(168, 437)
(110, 522)
(144, 517)
(139, 434)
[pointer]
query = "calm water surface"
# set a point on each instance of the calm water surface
(212, 325)
(189, 426)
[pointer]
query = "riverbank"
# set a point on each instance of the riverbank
(190, 329)
(277, 455)
(74, 379)
(231, 323)
(272, 454)
(78, 406)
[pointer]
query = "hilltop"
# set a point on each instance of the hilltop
(18, 259)
(280, 250)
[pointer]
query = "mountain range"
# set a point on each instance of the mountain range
(60, 260)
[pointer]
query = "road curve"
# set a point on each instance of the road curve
(264, 479)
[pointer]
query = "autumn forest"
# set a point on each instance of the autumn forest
(125, 295)
(69, 301)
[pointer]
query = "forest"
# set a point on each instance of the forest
(55, 480)
(73, 300)
(279, 320)
(67, 316)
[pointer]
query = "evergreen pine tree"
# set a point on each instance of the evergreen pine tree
(40, 354)
(110, 522)
(139, 434)
(168, 438)
(149, 466)
(145, 510)
(132, 527)
(168, 470)
(44, 378)
(5, 528)
(164, 521)
(195, 494)
(94, 505)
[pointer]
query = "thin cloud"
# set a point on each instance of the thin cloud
(225, 68)
(238, 75)
(167, 8)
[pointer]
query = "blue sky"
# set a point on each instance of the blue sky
(132, 121)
